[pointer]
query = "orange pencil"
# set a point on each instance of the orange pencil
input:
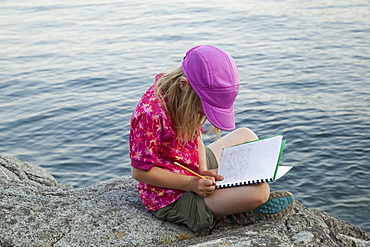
(192, 172)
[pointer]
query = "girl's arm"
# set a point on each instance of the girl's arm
(203, 162)
(202, 155)
(166, 179)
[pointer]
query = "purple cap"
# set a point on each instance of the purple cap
(214, 76)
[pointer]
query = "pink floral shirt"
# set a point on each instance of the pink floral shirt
(153, 142)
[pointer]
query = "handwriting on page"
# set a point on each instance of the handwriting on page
(251, 162)
(238, 163)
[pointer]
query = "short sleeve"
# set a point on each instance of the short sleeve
(145, 137)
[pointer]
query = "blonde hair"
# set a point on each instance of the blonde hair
(181, 104)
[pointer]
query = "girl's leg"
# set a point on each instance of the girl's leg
(237, 199)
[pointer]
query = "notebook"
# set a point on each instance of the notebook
(252, 162)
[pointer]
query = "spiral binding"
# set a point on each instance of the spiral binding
(266, 180)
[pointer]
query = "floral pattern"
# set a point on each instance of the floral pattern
(153, 141)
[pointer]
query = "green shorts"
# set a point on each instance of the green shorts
(190, 209)
(211, 159)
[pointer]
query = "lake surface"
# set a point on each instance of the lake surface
(72, 72)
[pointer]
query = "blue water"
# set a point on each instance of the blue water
(71, 73)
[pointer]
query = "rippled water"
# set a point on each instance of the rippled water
(72, 72)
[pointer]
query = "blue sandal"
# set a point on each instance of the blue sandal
(280, 204)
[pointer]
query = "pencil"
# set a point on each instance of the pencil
(192, 172)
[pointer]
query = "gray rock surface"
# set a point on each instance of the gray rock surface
(36, 211)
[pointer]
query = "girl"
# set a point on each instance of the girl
(166, 127)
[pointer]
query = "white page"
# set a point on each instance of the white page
(282, 171)
(250, 161)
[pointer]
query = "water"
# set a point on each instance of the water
(72, 72)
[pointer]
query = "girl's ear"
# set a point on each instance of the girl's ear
(184, 83)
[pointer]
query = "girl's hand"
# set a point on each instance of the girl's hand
(211, 173)
(203, 187)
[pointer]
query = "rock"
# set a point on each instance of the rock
(14, 169)
(36, 211)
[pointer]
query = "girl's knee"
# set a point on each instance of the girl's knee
(248, 132)
(245, 134)
(266, 192)
(263, 193)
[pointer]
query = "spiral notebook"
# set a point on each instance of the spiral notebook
(252, 162)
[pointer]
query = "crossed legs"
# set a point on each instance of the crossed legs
(236, 199)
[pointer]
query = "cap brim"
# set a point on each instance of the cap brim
(219, 117)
